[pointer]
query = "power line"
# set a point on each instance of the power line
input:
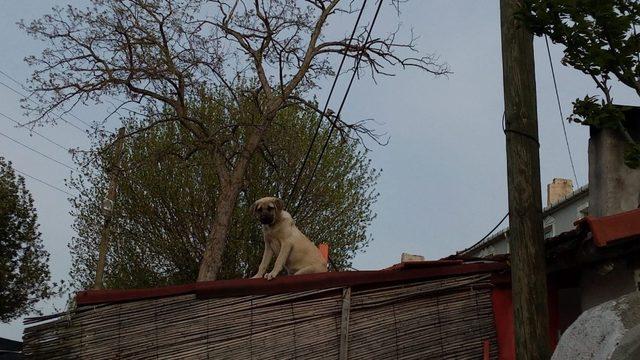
(486, 236)
(42, 182)
(326, 104)
(12, 79)
(35, 132)
(36, 151)
(564, 129)
(494, 228)
(344, 99)
(505, 216)
(61, 118)
(34, 102)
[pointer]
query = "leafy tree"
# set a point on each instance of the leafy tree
(24, 273)
(163, 54)
(162, 216)
(601, 40)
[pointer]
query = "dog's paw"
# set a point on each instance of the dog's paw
(270, 276)
(257, 276)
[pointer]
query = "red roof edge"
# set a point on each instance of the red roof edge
(609, 229)
(295, 283)
(93, 297)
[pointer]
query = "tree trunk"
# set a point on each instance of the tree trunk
(217, 239)
(229, 189)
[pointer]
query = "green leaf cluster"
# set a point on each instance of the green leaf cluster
(24, 270)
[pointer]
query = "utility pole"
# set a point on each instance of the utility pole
(107, 207)
(528, 273)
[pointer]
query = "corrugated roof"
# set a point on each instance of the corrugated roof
(405, 272)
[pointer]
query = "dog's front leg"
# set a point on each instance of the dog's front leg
(285, 249)
(266, 259)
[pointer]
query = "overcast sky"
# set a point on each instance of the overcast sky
(443, 184)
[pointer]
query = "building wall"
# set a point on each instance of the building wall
(615, 187)
(597, 283)
(563, 218)
(607, 281)
(500, 246)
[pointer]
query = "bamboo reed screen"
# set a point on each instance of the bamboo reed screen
(447, 318)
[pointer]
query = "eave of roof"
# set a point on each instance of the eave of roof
(608, 230)
(575, 195)
(10, 345)
(595, 239)
(405, 272)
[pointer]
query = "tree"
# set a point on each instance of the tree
(168, 54)
(24, 273)
(600, 40)
(161, 219)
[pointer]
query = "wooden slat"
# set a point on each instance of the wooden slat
(344, 324)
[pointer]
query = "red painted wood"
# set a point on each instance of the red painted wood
(284, 284)
(608, 229)
(486, 350)
(503, 317)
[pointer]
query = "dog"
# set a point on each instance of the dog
(293, 250)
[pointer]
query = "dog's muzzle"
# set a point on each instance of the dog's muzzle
(267, 220)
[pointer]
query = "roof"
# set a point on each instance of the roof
(604, 231)
(595, 238)
(400, 273)
(10, 345)
(573, 196)
(608, 230)
(10, 355)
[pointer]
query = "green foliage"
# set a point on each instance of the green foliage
(167, 196)
(589, 111)
(599, 35)
(24, 273)
(600, 40)
(632, 156)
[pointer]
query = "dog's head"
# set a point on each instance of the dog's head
(267, 210)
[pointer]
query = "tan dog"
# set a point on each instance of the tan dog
(294, 251)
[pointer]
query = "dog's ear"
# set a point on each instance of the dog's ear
(279, 204)
(252, 208)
